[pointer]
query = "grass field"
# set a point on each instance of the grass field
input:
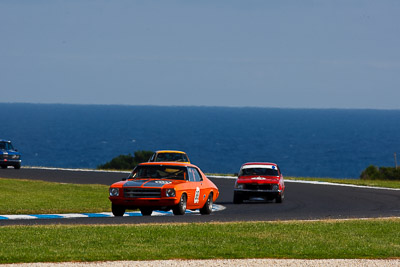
(297, 240)
(38, 197)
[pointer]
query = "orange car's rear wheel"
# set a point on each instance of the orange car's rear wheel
(117, 210)
(180, 209)
(207, 208)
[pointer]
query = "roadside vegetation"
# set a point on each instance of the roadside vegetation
(371, 239)
(126, 162)
(380, 173)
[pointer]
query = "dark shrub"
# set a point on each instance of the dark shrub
(381, 173)
(127, 162)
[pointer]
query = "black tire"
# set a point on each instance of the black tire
(4, 166)
(117, 210)
(17, 167)
(279, 198)
(207, 208)
(146, 212)
(180, 209)
(237, 198)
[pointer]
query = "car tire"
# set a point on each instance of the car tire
(4, 166)
(146, 212)
(180, 209)
(237, 198)
(279, 198)
(17, 167)
(207, 208)
(117, 210)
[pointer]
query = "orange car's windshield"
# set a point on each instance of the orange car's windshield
(258, 171)
(159, 172)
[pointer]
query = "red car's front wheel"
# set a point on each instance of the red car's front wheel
(117, 210)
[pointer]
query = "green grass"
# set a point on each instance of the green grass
(38, 197)
(372, 239)
(376, 183)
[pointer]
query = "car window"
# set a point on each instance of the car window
(194, 175)
(152, 157)
(258, 171)
(9, 146)
(6, 146)
(159, 172)
(171, 157)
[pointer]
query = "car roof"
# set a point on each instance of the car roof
(3, 140)
(168, 163)
(258, 165)
(170, 151)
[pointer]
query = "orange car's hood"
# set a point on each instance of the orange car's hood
(145, 182)
(258, 179)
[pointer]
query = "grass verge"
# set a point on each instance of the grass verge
(39, 197)
(369, 239)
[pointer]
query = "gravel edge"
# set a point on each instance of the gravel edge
(223, 263)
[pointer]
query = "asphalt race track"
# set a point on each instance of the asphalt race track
(302, 201)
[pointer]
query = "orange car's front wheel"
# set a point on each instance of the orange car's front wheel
(180, 209)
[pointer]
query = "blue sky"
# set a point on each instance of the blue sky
(296, 54)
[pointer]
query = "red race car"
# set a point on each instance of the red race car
(163, 186)
(261, 180)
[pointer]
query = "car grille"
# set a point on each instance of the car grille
(258, 186)
(142, 192)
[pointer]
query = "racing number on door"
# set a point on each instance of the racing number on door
(197, 195)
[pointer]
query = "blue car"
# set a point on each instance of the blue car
(8, 155)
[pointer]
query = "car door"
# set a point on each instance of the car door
(196, 188)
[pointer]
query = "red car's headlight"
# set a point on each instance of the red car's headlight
(114, 192)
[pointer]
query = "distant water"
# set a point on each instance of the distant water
(304, 142)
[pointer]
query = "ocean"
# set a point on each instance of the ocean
(336, 143)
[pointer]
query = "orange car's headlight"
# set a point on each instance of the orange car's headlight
(170, 192)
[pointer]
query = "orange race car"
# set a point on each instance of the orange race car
(163, 186)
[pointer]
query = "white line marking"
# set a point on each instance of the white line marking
(315, 182)
(337, 184)
(95, 215)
